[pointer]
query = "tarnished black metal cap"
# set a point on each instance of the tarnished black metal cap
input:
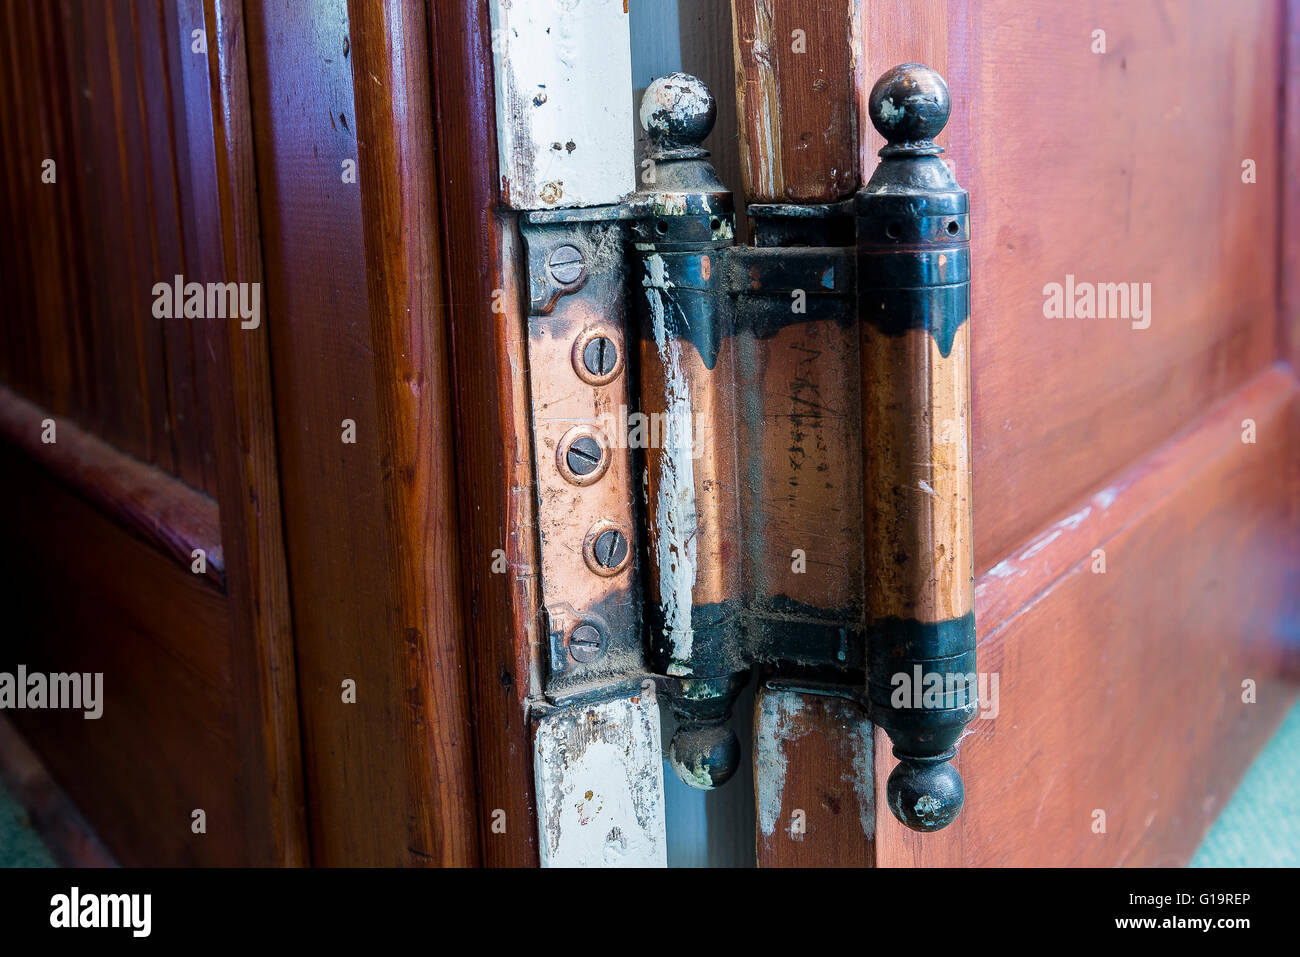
(909, 105)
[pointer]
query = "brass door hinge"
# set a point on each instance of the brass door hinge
(682, 383)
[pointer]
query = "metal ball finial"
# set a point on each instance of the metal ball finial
(678, 112)
(909, 105)
(925, 796)
(705, 756)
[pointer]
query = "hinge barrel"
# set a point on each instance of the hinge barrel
(687, 389)
(914, 307)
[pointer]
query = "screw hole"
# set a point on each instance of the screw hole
(715, 224)
(893, 230)
(661, 227)
(953, 228)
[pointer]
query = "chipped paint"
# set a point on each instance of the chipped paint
(862, 778)
(600, 785)
(563, 73)
(673, 536)
(785, 717)
(778, 715)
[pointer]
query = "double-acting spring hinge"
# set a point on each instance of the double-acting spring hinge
(758, 457)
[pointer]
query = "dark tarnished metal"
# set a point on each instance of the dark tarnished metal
(748, 365)
(913, 273)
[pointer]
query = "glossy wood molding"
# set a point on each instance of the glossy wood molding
(390, 69)
(488, 341)
(159, 508)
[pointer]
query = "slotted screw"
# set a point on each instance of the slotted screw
(585, 643)
(584, 455)
(610, 548)
(600, 356)
(566, 264)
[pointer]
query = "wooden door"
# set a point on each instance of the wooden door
(142, 536)
(1135, 476)
(289, 149)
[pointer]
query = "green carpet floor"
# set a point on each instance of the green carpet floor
(19, 844)
(1260, 827)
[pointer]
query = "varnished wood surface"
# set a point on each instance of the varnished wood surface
(1122, 692)
(486, 295)
(97, 84)
(794, 62)
(173, 517)
(154, 180)
(1118, 691)
(374, 600)
(82, 595)
(228, 248)
(1102, 191)
(407, 302)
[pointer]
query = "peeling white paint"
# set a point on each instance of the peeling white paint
(674, 535)
(777, 711)
(862, 775)
(563, 72)
(600, 785)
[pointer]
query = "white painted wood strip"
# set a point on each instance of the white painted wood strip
(600, 784)
(563, 73)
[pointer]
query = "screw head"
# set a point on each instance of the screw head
(566, 264)
(586, 643)
(600, 356)
(597, 356)
(611, 548)
(584, 455)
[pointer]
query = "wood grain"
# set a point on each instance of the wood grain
(247, 468)
(794, 64)
(1115, 391)
(373, 601)
(390, 69)
(488, 342)
(82, 595)
(81, 337)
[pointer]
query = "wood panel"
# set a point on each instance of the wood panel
(390, 68)
(81, 595)
(228, 249)
(355, 577)
(1100, 673)
(159, 183)
(1122, 692)
(172, 517)
(498, 520)
(80, 333)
